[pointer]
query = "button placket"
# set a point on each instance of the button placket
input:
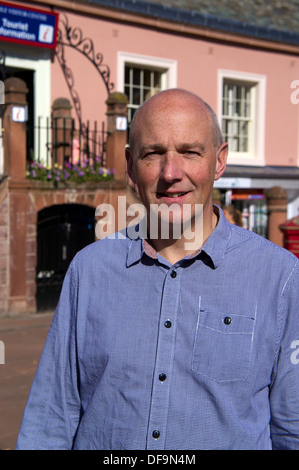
(164, 362)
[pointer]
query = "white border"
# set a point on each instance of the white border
(257, 158)
(38, 60)
(169, 78)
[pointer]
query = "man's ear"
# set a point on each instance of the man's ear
(221, 156)
(130, 166)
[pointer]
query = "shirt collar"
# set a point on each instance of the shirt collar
(214, 247)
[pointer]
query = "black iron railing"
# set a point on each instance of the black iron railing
(59, 142)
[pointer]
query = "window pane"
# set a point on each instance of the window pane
(127, 75)
(157, 80)
(147, 78)
(140, 84)
(127, 92)
(236, 114)
(136, 96)
(136, 76)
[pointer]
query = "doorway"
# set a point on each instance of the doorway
(62, 230)
(28, 77)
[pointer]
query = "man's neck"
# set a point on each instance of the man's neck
(175, 249)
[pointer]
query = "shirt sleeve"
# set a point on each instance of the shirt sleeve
(284, 392)
(52, 411)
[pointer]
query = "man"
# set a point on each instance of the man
(156, 345)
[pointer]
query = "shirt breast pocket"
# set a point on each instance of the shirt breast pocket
(223, 346)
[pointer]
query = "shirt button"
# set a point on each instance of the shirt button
(173, 274)
(167, 324)
(227, 320)
(156, 434)
(162, 377)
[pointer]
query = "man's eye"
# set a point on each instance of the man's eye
(191, 152)
(150, 154)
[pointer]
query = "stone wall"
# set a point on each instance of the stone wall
(18, 232)
(21, 199)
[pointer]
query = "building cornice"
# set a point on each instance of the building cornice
(147, 21)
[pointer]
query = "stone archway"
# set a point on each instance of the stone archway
(45, 202)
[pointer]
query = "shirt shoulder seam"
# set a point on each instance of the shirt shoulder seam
(260, 239)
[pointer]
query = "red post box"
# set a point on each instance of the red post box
(290, 231)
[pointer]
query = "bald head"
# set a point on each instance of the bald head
(176, 96)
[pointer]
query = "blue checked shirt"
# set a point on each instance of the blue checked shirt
(203, 354)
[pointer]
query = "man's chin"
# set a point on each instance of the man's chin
(173, 221)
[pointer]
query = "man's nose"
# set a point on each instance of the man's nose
(171, 168)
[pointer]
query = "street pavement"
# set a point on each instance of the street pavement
(23, 337)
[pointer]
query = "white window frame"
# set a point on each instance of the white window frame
(168, 78)
(256, 154)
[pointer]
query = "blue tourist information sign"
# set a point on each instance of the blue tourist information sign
(30, 26)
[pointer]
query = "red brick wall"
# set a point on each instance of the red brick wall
(19, 207)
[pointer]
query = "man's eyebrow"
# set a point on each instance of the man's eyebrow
(151, 147)
(183, 145)
(192, 145)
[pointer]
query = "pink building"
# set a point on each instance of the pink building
(243, 59)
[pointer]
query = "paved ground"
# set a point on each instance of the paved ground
(23, 339)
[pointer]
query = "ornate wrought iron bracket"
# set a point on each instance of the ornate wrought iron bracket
(73, 37)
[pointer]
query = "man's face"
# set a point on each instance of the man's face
(173, 160)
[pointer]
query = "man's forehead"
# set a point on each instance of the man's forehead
(165, 111)
(164, 117)
(164, 105)
(176, 123)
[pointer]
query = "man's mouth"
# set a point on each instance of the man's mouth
(172, 195)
